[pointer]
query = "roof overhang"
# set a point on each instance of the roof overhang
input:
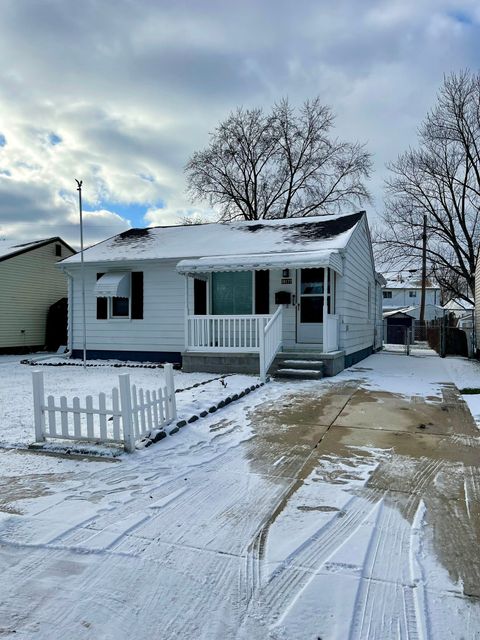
(115, 284)
(247, 262)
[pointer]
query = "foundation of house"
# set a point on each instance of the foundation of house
(328, 364)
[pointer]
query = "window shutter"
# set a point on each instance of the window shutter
(262, 292)
(137, 295)
(102, 304)
(199, 297)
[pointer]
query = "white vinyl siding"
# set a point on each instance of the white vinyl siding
(289, 317)
(356, 320)
(163, 324)
(403, 297)
(477, 304)
(29, 284)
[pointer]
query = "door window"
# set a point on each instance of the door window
(312, 294)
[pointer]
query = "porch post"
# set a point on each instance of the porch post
(325, 308)
(186, 312)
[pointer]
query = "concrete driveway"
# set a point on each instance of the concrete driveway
(341, 512)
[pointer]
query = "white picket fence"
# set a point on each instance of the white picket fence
(133, 413)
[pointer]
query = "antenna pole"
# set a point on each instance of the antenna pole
(82, 273)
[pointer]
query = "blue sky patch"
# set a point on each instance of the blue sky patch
(460, 16)
(133, 211)
(54, 139)
(3, 140)
(147, 177)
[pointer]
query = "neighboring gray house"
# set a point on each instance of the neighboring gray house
(231, 297)
(401, 293)
(29, 284)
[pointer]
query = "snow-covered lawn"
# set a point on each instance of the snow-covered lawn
(16, 423)
(263, 520)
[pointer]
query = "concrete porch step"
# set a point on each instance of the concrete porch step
(299, 374)
(302, 365)
(299, 355)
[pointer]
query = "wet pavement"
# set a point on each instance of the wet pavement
(425, 456)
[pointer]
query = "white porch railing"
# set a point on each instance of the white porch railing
(270, 342)
(330, 333)
(225, 333)
(133, 413)
(237, 334)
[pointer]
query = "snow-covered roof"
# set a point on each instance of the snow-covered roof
(457, 304)
(408, 310)
(246, 238)
(10, 248)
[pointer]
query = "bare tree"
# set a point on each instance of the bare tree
(442, 179)
(279, 164)
(192, 220)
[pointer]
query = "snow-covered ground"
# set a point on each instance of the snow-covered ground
(16, 424)
(466, 375)
(260, 521)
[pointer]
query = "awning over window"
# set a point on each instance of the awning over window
(113, 285)
(298, 259)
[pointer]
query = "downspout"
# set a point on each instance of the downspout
(325, 308)
(68, 354)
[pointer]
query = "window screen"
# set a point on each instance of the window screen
(232, 293)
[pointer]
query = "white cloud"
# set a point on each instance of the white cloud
(132, 89)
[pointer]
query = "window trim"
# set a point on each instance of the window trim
(110, 304)
(387, 295)
(110, 309)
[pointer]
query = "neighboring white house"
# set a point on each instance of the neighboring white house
(401, 293)
(29, 284)
(222, 297)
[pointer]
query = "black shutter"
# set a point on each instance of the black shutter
(199, 297)
(102, 304)
(262, 292)
(137, 295)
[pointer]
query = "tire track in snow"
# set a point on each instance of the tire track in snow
(275, 597)
(381, 610)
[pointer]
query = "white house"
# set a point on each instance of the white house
(29, 284)
(230, 297)
(400, 293)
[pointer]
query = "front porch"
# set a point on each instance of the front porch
(251, 343)
(239, 316)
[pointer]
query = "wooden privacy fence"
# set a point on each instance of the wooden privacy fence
(132, 414)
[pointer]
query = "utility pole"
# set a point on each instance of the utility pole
(82, 274)
(424, 270)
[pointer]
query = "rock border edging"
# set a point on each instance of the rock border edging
(160, 435)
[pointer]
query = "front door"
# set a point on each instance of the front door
(310, 294)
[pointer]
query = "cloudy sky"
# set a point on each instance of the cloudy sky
(119, 93)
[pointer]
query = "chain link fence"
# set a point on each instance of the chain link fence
(449, 334)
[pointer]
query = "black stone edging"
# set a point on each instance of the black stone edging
(200, 384)
(159, 435)
(68, 363)
(118, 365)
